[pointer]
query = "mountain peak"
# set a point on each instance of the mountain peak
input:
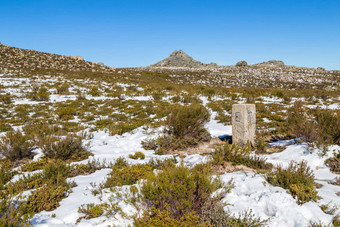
(179, 58)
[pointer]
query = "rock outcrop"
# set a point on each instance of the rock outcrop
(181, 59)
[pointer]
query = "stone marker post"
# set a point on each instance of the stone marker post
(243, 123)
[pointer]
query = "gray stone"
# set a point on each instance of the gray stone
(244, 123)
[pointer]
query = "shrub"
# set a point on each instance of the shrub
(137, 155)
(11, 215)
(298, 179)
(91, 210)
(121, 127)
(334, 163)
(6, 99)
(66, 113)
(163, 218)
(63, 89)
(239, 155)
(188, 121)
(15, 146)
(123, 174)
(94, 91)
(46, 198)
(69, 147)
(178, 190)
(40, 94)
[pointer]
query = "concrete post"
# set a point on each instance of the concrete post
(243, 123)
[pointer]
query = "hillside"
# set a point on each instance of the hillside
(16, 60)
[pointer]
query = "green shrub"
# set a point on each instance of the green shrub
(123, 174)
(137, 155)
(334, 163)
(188, 121)
(121, 127)
(163, 218)
(94, 91)
(66, 113)
(239, 155)
(46, 198)
(178, 190)
(298, 179)
(15, 146)
(69, 147)
(40, 94)
(6, 99)
(12, 214)
(91, 210)
(63, 89)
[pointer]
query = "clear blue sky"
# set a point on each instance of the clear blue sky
(124, 33)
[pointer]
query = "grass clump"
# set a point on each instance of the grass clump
(137, 155)
(69, 147)
(298, 179)
(239, 155)
(15, 146)
(124, 174)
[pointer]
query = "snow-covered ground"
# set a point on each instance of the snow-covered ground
(251, 190)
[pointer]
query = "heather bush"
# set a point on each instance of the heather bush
(178, 190)
(124, 174)
(6, 99)
(298, 179)
(188, 121)
(91, 210)
(239, 155)
(137, 155)
(15, 146)
(69, 147)
(66, 113)
(334, 163)
(40, 94)
(46, 198)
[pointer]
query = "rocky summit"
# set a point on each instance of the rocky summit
(180, 59)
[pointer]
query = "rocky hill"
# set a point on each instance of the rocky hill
(16, 60)
(181, 59)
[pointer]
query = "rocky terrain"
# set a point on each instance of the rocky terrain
(82, 144)
(182, 68)
(16, 60)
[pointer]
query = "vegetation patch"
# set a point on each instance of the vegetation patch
(298, 179)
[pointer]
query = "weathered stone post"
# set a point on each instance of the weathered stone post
(243, 123)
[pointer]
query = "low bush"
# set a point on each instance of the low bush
(188, 121)
(124, 174)
(298, 179)
(334, 163)
(69, 147)
(239, 155)
(40, 94)
(45, 198)
(15, 146)
(66, 113)
(63, 89)
(137, 155)
(320, 126)
(91, 210)
(163, 218)
(6, 99)
(178, 190)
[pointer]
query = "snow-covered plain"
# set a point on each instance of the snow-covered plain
(251, 190)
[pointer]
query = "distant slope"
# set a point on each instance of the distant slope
(16, 60)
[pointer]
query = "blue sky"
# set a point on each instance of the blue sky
(128, 33)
